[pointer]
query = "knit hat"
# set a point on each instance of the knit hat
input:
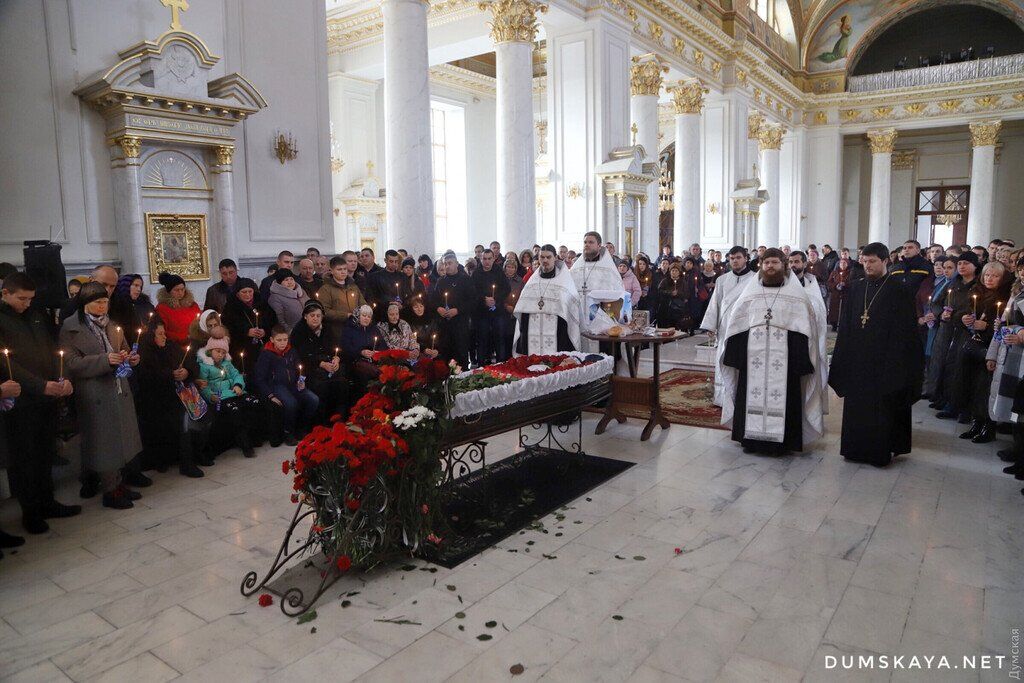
(971, 257)
(283, 274)
(170, 280)
(409, 262)
(245, 283)
(312, 305)
(204, 317)
(212, 344)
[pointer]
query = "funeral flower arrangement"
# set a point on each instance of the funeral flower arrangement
(514, 369)
(373, 481)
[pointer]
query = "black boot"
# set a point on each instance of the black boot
(987, 433)
(186, 463)
(974, 431)
(245, 443)
(133, 476)
(90, 484)
(118, 499)
(10, 540)
(1013, 469)
(1008, 455)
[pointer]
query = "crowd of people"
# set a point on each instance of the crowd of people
(149, 386)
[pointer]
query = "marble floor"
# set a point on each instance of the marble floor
(699, 563)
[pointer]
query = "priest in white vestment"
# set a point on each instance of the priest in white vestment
(798, 268)
(728, 288)
(597, 277)
(548, 310)
(771, 387)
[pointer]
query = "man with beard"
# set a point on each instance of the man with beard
(598, 279)
(548, 311)
(454, 298)
(366, 268)
(385, 285)
(491, 286)
(772, 399)
(728, 288)
(878, 364)
(798, 266)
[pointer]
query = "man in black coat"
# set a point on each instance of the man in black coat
(490, 323)
(914, 268)
(218, 294)
(453, 301)
(31, 423)
(385, 284)
(285, 260)
(366, 268)
(878, 363)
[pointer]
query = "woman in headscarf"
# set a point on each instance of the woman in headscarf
(515, 284)
(320, 355)
(130, 307)
(248, 321)
(97, 360)
(176, 307)
(359, 340)
(645, 276)
(425, 272)
(674, 295)
(525, 264)
(397, 333)
(706, 286)
(629, 281)
(424, 328)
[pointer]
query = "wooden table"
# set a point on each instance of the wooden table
(633, 390)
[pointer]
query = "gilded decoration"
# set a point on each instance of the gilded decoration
(698, 57)
(820, 118)
(1019, 96)
(849, 115)
(985, 133)
(915, 109)
(224, 153)
(987, 101)
(741, 76)
(770, 136)
(515, 21)
(882, 141)
(950, 106)
(904, 159)
(645, 74)
(716, 68)
(881, 112)
(755, 120)
(679, 46)
(176, 243)
(656, 31)
(688, 96)
(130, 145)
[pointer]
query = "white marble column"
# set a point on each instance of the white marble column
(408, 170)
(129, 222)
(513, 29)
(882, 143)
(769, 142)
(984, 136)
(688, 100)
(223, 202)
(645, 78)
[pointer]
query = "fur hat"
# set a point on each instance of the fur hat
(170, 280)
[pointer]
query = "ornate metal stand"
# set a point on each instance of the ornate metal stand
(457, 461)
(293, 601)
(552, 435)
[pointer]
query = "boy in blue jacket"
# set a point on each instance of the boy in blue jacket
(278, 378)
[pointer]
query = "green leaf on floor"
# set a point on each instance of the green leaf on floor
(491, 624)
(484, 636)
(307, 617)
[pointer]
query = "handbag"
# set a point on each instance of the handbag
(188, 394)
(974, 350)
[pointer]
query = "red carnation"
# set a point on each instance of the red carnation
(344, 563)
(286, 466)
(266, 600)
(295, 498)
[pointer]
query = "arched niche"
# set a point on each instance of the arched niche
(174, 169)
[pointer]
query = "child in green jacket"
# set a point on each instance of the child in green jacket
(225, 389)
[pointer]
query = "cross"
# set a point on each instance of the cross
(177, 6)
(768, 316)
(864, 319)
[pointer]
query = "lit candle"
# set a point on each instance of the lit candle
(999, 306)
(975, 297)
(300, 368)
(241, 355)
(187, 348)
(120, 337)
(433, 341)
(446, 299)
(138, 337)
(60, 375)
(150, 316)
(336, 350)
(375, 343)
(7, 355)
(493, 285)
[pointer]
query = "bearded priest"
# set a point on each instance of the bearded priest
(878, 363)
(771, 394)
(728, 288)
(596, 276)
(798, 268)
(548, 311)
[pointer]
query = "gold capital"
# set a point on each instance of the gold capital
(515, 21)
(882, 141)
(904, 159)
(130, 145)
(645, 74)
(176, 7)
(688, 96)
(755, 120)
(769, 136)
(224, 153)
(985, 133)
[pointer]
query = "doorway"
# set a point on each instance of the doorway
(940, 214)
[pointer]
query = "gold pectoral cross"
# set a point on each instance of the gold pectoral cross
(177, 6)
(864, 319)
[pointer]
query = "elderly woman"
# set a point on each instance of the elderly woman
(94, 354)
(397, 333)
(974, 378)
(359, 339)
(176, 307)
(287, 299)
(674, 294)
(320, 354)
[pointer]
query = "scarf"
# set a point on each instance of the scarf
(97, 324)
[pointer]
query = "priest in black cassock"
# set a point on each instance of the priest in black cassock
(771, 396)
(878, 363)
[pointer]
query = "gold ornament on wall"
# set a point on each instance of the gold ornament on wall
(821, 118)
(741, 76)
(224, 154)
(987, 102)
(176, 243)
(770, 136)
(904, 159)
(714, 208)
(881, 112)
(645, 74)
(284, 147)
(755, 120)
(678, 46)
(656, 31)
(950, 106)
(882, 141)
(515, 21)
(698, 58)
(130, 145)
(985, 133)
(576, 191)
(849, 115)
(716, 68)
(688, 96)
(915, 109)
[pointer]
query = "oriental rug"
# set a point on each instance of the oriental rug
(685, 399)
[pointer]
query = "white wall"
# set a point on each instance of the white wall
(823, 163)
(55, 167)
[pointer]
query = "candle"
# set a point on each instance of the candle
(300, 368)
(446, 299)
(493, 285)
(7, 355)
(975, 297)
(336, 350)
(120, 337)
(241, 355)
(375, 342)
(187, 348)
(61, 374)
(999, 305)
(433, 341)
(150, 316)
(138, 337)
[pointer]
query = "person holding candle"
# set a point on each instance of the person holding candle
(1006, 361)
(30, 425)
(425, 272)
(838, 285)
(224, 389)
(411, 285)
(974, 378)
(944, 370)
(385, 284)
(248, 320)
(104, 398)
(319, 352)
(169, 431)
(929, 314)
(287, 299)
(176, 307)
(130, 307)
(453, 301)
(279, 379)
(515, 287)
(396, 333)
(359, 340)
(674, 294)
(308, 278)
(340, 295)
(424, 326)
(490, 324)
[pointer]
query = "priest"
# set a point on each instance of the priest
(878, 363)
(798, 267)
(771, 395)
(548, 310)
(728, 288)
(597, 277)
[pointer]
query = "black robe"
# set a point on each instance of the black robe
(799, 364)
(877, 369)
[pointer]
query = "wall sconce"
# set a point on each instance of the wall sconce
(284, 147)
(576, 191)
(713, 208)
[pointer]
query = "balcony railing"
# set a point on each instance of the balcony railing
(989, 67)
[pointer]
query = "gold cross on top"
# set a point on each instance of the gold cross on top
(177, 7)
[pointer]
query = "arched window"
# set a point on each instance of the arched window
(766, 10)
